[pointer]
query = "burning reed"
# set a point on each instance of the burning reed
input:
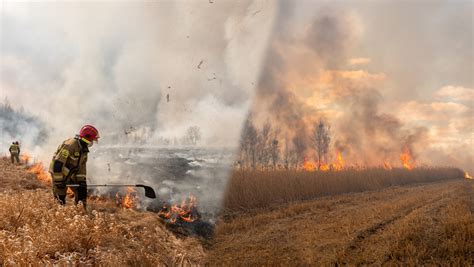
(260, 189)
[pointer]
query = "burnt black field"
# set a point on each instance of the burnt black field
(174, 173)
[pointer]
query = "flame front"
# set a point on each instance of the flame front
(339, 163)
(308, 165)
(129, 201)
(184, 212)
(40, 172)
(25, 157)
(406, 159)
(324, 167)
(467, 176)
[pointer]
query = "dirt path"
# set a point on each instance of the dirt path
(403, 224)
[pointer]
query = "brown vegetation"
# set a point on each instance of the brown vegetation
(34, 230)
(422, 224)
(261, 189)
(15, 177)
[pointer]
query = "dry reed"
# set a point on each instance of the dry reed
(260, 189)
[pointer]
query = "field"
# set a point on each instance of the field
(376, 216)
(34, 230)
(411, 223)
(260, 189)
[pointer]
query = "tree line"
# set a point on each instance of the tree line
(269, 148)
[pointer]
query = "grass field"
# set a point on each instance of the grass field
(419, 224)
(34, 230)
(262, 189)
(375, 216)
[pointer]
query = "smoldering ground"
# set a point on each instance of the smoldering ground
(174, 173)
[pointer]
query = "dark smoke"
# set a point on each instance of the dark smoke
(330, 38)
(362, 130)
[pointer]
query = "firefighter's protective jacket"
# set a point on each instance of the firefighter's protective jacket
(72, 153)
(14, 149)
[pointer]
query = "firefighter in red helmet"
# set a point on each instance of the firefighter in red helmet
(69, 164)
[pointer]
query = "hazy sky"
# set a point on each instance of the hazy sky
(112, 64)
(384, 74)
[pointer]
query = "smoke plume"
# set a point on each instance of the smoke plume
(150, 68)
(320, 67)
(142, 73)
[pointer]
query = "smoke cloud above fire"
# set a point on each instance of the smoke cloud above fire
(153, 68)
(387, 77)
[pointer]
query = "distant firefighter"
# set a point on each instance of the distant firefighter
(15, 152)
(69, 165)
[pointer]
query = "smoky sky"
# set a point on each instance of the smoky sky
(381, 73)
(154, 67)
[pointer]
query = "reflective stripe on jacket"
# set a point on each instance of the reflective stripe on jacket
(14, 149)
(73, 155)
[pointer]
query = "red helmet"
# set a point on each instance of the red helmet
(89, 133)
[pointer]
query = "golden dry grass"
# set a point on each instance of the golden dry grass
(261, 189)
(424, 224)
(34, 230)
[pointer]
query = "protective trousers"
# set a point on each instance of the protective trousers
(15, 157)
(80, 194)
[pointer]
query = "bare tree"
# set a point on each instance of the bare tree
(193, 135)
(287, 154)
(275, 152)
(248, 143)
(264, 145)
(321, 139)
(299, 147)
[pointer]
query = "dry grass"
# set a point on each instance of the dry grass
(261, 189)
(15, 177)
(34, 230)
(425, 224)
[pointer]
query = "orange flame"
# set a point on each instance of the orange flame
(308, 166)
(324, 167)
(70, 193)
(338, 165)
(41, 174)
(129, 201)
(183, 212)
(405, 157)
(25, 157)
(467, 176)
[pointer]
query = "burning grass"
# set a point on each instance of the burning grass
(35, 230)
(261, 189)
(40, 172)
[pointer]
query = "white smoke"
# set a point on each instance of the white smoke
(139, 72)
(158, 66)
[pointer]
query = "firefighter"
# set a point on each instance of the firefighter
(15, 152)
(69, 165)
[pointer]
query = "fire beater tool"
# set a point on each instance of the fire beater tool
(149, 192)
